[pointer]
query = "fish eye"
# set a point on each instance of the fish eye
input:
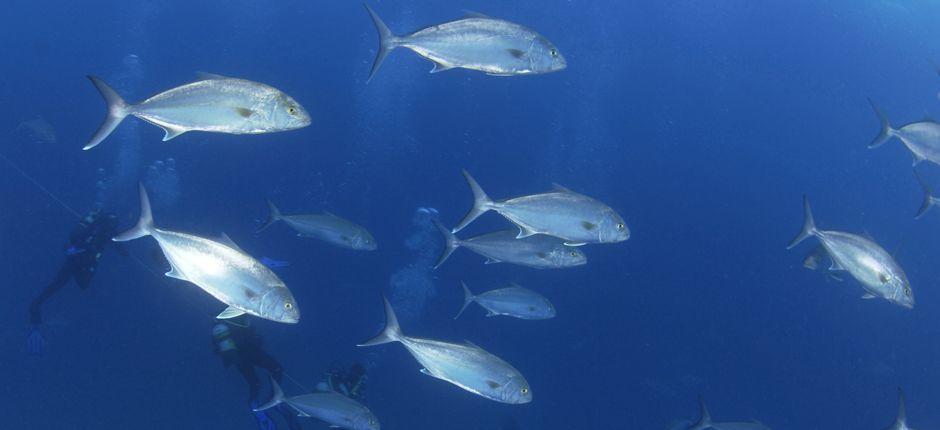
(574, 254)
(907, 291)
(525, 390)
(288, 306)
(554, 52)
(620, 226)
(292, 110)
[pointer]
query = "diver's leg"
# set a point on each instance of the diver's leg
(265, 361)
(251, 377)
(61, 278)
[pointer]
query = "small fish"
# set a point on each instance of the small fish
(929, 199)
(493, 46)
(900, 423)
(326, 227)
(540, 252)
(922, 138)
(465, 365)
(864, 259)
(330, 407)
(216, 104)
(705, 422)
(513, 301)
(565, 214)
(220, 268)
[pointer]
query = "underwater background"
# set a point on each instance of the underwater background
(702, 123)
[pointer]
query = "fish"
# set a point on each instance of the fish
(705, 422)
(867, 262)
(562, 213)
(539, 252)
(900, 423)
(929, 199)
(513, 301)
(922, 138)
(220, 268)
(326, 226)
(475, 42)
(330, 407)
(216, 104)
(465, 365)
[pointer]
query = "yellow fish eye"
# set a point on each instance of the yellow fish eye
(292, 110)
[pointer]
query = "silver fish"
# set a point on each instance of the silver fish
(705, 422)
(326, 227)
(513, 301)
(922, 138)
(864, 259)
(330, 407)
(565, 214)
(929, 199)
(220, 269)
(900, 423)
(540, 251)
(465, 365)
(217, 104)
(493, 46)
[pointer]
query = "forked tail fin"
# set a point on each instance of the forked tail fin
(391, 332)
(144, 224)
(118, 109)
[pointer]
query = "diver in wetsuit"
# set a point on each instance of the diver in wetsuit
(87, 242)
(236, 342)
(348, 382)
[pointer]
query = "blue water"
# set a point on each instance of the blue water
(702, 123)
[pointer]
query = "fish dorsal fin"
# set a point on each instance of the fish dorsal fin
(328, 213)
(176, 274)
(205, 76)
(491, 260)
(835, 265)
(561, 188)
(471, 344)
(230, 312)
(171, 131)
(867, 235)
(438, 67)
(475, 14)
(227, 241)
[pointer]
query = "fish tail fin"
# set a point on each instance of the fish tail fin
(809, 226)
(467, 299)
(481, 203)
(451, 243)
(273, 217)
(118, 109)
(277, 396)
(144, 225)
(929, 199)
(391, 332)
(706, 420)
(387, 41)
(886, 131)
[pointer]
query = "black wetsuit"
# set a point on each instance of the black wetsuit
(240, 346)
(87, 242)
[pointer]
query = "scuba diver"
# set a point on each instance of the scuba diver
(87, 242)
(236, 342)
(350, 382)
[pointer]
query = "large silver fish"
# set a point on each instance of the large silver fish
(513, 301)
(220, 269)
(326, 227)
(705, 422)
(900, 423)
(217, 104)
(540, 251)
(493, 46)
(565, 214)
(864, 259)
(330, 407)
(922, 138)
(465, 365)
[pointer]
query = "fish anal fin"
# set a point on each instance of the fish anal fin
(438, 67)
(230, 312)
(171, 131)
(524, 232)
(835, 266)
(868, 296)
(917, 159)
(173, 273)
(491, 260)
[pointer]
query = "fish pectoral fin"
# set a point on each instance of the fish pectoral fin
(524, 232)
(171, 131)
(516, 53)
(835, 266)
(438, 67)
(868, 296)
(244, 112)
(493, 384)
(575, 243)
(230, 312)
(491, 260)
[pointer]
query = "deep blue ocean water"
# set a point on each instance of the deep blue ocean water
(702, 123)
